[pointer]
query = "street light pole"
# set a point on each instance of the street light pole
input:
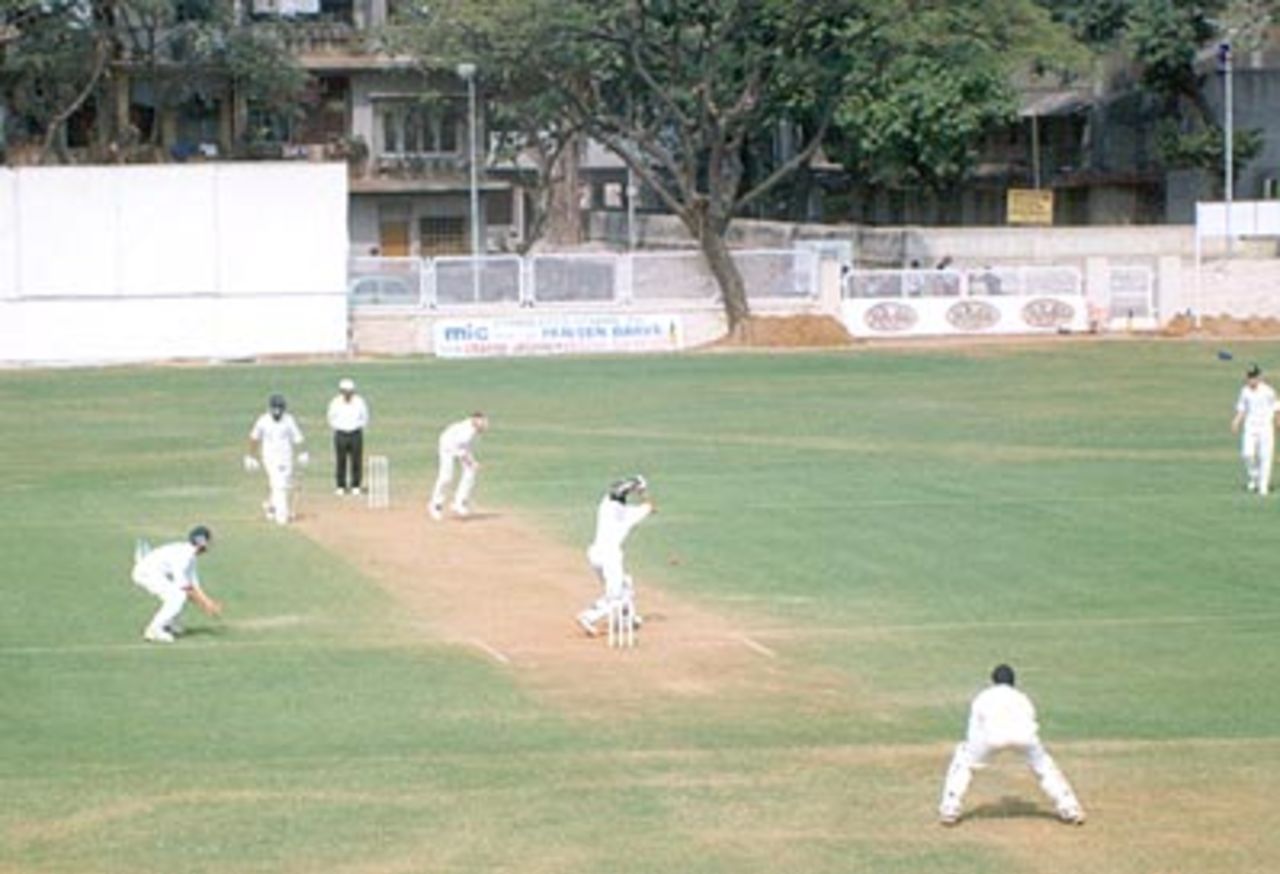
(1228, 146)
(467, 71)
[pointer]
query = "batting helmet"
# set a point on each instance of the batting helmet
(276, 402)
(624, 487)
(1002, 675)
(200, 536)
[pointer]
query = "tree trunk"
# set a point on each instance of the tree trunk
(54, 135)
(564, 213)
(733, 292)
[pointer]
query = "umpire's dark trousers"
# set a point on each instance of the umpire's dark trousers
(348, 452)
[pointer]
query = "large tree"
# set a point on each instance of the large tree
(931, 78)
(679, 89)
(1165, 38)
(59, 56)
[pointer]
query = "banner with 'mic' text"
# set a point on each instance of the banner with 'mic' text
(556, 335)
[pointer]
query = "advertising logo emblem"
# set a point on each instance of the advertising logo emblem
(890, 317)
(972, 315)
(1045, 312)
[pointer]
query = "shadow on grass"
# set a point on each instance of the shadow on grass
(1009, 807)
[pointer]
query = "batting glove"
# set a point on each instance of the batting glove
(251, 464)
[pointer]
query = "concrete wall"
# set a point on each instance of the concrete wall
(1238, 288)
(876, 247)
(142, 263)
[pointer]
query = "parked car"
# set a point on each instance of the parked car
(383, 289)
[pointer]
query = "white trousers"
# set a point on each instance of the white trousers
(279, 485)
(1257, 448)
(173, 598)
(970, 755)
(445, 476)
(619, 588)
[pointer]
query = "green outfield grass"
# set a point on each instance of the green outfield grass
(895, 521)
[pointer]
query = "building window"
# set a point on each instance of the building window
(442, 235)
(413, 128)
(325, 113)
(266, 125)
(498, 208)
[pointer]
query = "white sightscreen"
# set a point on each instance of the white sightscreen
(144, 263)
(67, 231)
(8, 235)
(283, 228)
(167, 230)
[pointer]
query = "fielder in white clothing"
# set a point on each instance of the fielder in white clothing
(1002, 718)
(1255, 422)
(455, 444)
(169, 573)
(624, 506)
(271, 443)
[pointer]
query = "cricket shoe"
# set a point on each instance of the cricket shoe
(356, 490)
(340, 492)
(266, 511)
(1071, 815)
(160, 636)
(437, 512)
(461, 510)
(176, 629)
(588, 627)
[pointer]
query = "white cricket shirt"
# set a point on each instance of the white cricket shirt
(173, 561)
(457, 438)
(1259, 407)
(1003, 716)
(614, 521)
(347, 415)
(277, 438)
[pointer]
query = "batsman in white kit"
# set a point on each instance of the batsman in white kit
(455, 445)
(624, 506)
(1001, 718)
(1255, 422)
(271, 444)
(169, 573)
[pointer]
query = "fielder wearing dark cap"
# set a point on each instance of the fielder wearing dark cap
(1003, 718)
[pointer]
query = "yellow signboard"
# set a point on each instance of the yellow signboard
(1030, 206)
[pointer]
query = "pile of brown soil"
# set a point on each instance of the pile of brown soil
(1222, 326)
(789, 332)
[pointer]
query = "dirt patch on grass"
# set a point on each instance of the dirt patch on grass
(1222, 326)
(787, 332)
(494, 584)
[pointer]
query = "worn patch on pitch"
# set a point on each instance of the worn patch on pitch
(499, 587)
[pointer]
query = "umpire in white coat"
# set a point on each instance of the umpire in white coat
(348, 416)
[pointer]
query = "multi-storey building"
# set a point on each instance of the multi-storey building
(403, 130)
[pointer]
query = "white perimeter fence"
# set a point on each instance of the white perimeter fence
(1006, 299)
(778, 276)
(594, 280)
